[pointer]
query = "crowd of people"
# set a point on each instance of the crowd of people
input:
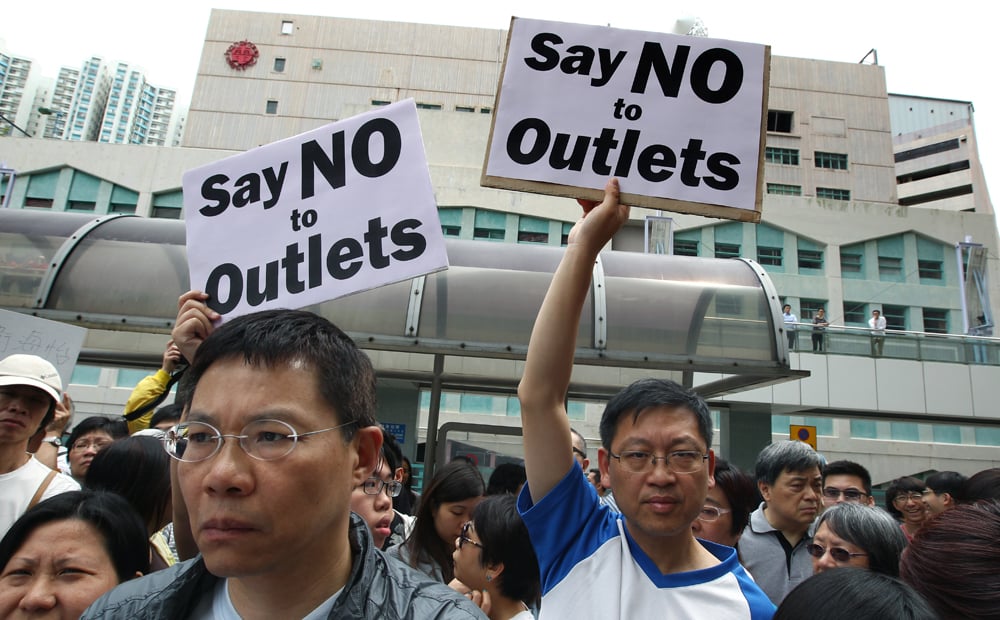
(268, 489)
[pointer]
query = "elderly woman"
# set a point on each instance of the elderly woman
(64, 553)
(857, 535)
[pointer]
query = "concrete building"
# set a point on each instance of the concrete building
(837, 232)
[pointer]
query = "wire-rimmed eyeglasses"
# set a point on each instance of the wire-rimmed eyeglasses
(711, 513)
(374, 485)
(837, 553)
(264, 440)
(679, 462)
(904, 497)
(464, 536)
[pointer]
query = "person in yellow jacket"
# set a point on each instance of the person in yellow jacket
(150, 389)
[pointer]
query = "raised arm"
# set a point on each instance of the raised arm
(548, 453)
(195, 321)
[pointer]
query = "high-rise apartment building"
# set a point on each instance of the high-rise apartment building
(14, 73)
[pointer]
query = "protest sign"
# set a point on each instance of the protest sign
(333, 211)
(58, 343)
(680, 120)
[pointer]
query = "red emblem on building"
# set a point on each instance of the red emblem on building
(241, 55)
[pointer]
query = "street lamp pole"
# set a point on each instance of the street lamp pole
(11, 123)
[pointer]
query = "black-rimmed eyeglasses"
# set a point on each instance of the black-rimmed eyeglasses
(464, 536)
(373, 486)
(850, 495)
(264, 440)
(679, 462)
(837, 553)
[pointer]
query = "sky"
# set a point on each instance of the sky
(925, 50)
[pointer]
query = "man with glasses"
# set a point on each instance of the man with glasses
(774, 547)
(847, 481)
(942, 490)
(655, 455)
(278, 431)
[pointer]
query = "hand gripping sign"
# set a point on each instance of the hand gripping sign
(679, 120)
(334, 211)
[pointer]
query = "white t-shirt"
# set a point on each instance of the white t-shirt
(580, 543)
(19, 486)
(218, 605)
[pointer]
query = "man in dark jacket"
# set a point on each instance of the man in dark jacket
(279, 428)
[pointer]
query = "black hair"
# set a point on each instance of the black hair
(138, 469)
(455, 482)
(122, 533)
(849, 468)
(166, 413)
(981, 485)
(344, 374)
(855, 593)
(950, 482)
(741, 491)
(116, 428)
(650, 393)
(506, 478)
(390, 452)
(906, 484)
(504, 539)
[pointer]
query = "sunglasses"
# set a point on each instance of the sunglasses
(839, 554)
(464, 536)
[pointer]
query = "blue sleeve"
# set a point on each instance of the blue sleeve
(566, 526)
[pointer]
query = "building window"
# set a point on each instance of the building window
(81, 205)
(490, 225)
(685, 247)
(809, 307)
(890, 267)
(782, 189)
(380, 102)
(287, 27)
(895, 317)
(855, 313)
(810, 259)
(41, 203)
(930, 269)
(485, 110)
(850, 262)
(775, 155)
(465, 108)
(779, 121)
(935, 321)
(727, 250)
(833, 161)
(272, 107)
(833, 193)
(121, 208)
(924, 151)
(428, 106)
(279, 64)
(532, 230)
(564, 238)
(769, 256)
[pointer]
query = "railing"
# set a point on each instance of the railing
(897, 344)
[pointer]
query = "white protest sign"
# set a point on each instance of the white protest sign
(58, 343)
(334, 211)
(675, 118)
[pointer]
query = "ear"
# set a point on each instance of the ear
(711, 468)
(586, 465)
(765, 490)
(871, 500)
(368, 445)
(603, 463)
(948, 500)
(494, 570)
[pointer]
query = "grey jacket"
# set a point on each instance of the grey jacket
(378, 587)
(763, 555)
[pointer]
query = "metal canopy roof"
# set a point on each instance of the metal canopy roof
(659, 313)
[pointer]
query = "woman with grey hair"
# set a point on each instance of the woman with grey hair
(857, 535)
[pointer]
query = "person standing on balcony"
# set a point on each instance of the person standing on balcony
(877, 325)
(819, 329)
(790, 321)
